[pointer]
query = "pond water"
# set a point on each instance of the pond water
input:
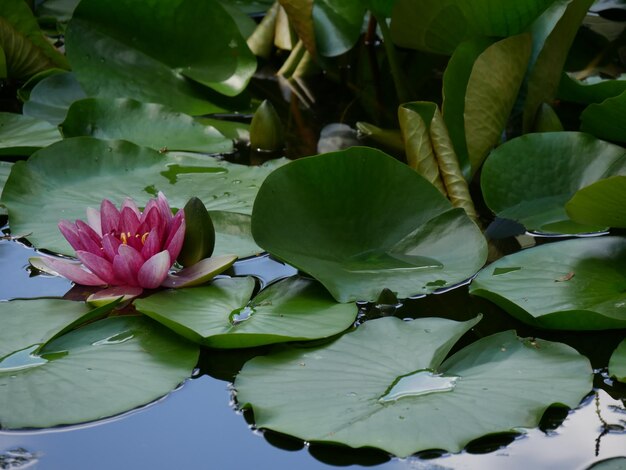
(199, 426)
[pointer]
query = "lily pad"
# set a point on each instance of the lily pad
(77, 173)
(571, 285)
(105, 368)
(529, 179)
(601, 203)
(617, 364)
(359, 221)
(384, 385)
(222, 314)
(149, 124)
(132, 49)
(606, 120)
(50, 99)
(5, 170)
(22, 135)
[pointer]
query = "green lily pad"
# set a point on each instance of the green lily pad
(233, 234)
(606, 120)
(601, 203)
(530, 179)
(222, 314)
(359, 221)
(617, 364)
(132, 49)
(481, 84)
(149, 124)
(77, 173)
(22, 135)
(50, 99)
(5, 170)
(616, 463)
(384, 385)
(337, 25)
(105, 368)
(571, 285)
(441, 25)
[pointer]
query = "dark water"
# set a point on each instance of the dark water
(197, 426)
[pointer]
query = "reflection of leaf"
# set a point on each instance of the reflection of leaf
(359, 221)
(533, 190)
(223, 315)
(384, 385)
(105, 368)
(26, 50)
(617, 364)
(571, 285)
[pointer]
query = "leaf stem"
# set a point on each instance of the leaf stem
(398, 77)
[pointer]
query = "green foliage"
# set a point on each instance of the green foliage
(22, 135)
(617, 364)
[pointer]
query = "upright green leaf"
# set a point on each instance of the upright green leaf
(553, 34)
(602, 203)
(617, 364)
(441, 25)
(131, 49)
(592, 90)
(384, 385)
(606, 120)
(300, 13)
(337, 25)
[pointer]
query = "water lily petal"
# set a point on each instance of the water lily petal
(164, 207)
(176, 237)
(126, 265)
(199, 273)
(152, 244)
(92, 242)
(110, 294)
(154, 271)
(73, 271)
(130, 203)
(110, 244)
(70, 232)
(109, 216)
(129, 221)
(152, 219)
(93, 219)
(98, 265)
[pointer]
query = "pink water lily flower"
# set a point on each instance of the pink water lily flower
(123, 247)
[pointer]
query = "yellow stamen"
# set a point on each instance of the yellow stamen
(124, 238)
(144, 237)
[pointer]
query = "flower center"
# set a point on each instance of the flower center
(126, 236)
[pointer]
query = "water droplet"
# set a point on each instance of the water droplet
(22, 359)
(351, 394)
(236, 181)
(115, 339)
(240, 315)
(422, 382)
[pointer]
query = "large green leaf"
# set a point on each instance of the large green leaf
(601, 203)
(617, 364)
(553, 34)
(592, 90)
(51, 97)
(606, 120)
(529, 179)
(5, 170)
(384, 385)
(480, 88)
(149, 124)
(77, 173)
(22, 135)
(105, 368)
(25, 48)
(132, 49)
(223, 315)
(572, 285)
(337, 25)
(360, 221)
(440, 25)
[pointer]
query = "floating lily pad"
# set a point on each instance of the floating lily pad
(5, 170)
(132, 49)
(149, 124)
(77, 173)
(606, 120)
(384, 385)
(50, 98)
(616, 463)
(529, 179)
(571, 285)
(22, 135)
(222, 314)
(600, 203)
(360, 221)
(105, 368)
(617, 364)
